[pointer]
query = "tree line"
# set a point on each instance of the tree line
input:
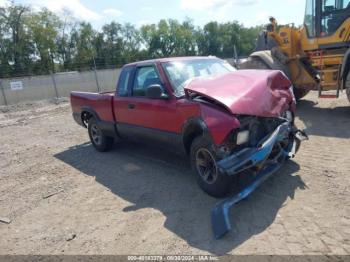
(36, 42)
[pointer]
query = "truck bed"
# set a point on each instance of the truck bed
(100, 103)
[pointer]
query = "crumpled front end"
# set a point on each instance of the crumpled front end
(264, 158)
(263, 93)
(273, 149)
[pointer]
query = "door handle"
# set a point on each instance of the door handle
(131, 106)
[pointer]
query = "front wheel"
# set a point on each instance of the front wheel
(101, 142)
(204, 164)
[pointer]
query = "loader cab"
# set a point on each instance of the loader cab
(324, 17)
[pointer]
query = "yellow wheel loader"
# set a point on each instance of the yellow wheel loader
(315, 56)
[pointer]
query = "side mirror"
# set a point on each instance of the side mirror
(155, 92)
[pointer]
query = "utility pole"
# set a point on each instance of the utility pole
(54, 84)
(235, 56)
(96, 78)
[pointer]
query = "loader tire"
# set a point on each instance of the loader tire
(347, 86)
(254, 63)
(299, 93)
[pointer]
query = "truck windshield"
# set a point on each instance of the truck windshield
(181, 72)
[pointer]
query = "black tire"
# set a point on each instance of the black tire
(299, 93)
(254, 63)
(100, 142)
(347, 86)
(216, 184)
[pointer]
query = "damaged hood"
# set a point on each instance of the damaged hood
(265, 93)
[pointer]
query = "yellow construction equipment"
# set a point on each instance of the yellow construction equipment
(315, 56)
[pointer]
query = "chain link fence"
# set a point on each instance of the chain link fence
(54, 86)
(59, 85)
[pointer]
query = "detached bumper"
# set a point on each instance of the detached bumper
(268, 157)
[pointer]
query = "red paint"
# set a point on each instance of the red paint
(101, 103)
(165, 115)
(249, 92)
(328, 96)
(219, 123)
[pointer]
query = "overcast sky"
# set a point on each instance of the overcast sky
(138, 12)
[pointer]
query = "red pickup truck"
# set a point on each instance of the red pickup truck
(227, 121)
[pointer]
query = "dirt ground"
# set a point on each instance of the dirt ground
(63, 197)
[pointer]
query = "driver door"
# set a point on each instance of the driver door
(140, 117)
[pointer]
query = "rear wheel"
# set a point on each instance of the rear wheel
(100, 141)
(204, 164)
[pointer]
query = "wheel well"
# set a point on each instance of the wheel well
(190, 134)
(85, 116)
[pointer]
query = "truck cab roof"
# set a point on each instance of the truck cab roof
(170, 59)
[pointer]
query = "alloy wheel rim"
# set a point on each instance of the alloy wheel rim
(206, 166)
(96, 134)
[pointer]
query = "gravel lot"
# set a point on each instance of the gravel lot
(63, 197)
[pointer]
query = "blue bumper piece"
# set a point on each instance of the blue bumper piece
(254, 157)
(250, 157)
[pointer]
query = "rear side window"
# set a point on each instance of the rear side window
(124, 81)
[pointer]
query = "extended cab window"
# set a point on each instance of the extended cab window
(145, 76)
(124, 81)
